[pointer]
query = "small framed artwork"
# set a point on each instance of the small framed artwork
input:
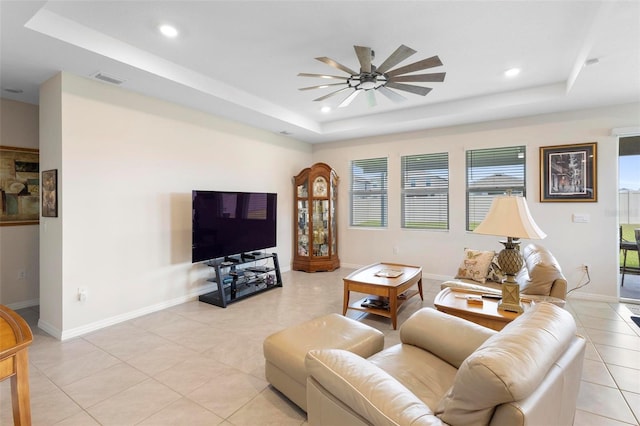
(50, 193)
(569, 173)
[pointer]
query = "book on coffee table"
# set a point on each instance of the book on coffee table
(388, 273)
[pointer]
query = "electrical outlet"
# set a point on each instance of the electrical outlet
(22, 274)
(82, 294)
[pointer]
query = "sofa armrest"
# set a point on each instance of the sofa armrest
(367, 389)
(450, 338)
(559, 289)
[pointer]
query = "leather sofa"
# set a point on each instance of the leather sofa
(540, 279)
(449, 371)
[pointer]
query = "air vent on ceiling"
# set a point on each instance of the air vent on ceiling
(107, 78)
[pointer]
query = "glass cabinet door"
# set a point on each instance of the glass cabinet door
(320, 227)
(303, 228)
(303, 192)
(332, 216)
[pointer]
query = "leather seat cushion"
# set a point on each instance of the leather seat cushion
(424, 374)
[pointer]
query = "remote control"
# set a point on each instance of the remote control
(492, 296)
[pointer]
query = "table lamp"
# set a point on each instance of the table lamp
(509, 217)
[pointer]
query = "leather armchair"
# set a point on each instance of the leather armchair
(449, 371)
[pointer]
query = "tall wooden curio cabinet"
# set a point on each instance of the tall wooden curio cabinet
(315, 232)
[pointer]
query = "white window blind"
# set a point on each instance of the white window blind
(492, 172)
(369, 203)
(425, 191)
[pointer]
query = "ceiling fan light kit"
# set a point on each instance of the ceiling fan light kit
(381, 79)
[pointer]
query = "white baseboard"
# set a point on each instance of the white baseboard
(49, 329)
(23, 304)
(88, 328)
(593, 297)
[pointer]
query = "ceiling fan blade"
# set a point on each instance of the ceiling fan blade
(337, 65)
(418, 90)
(371, 98)
(401, 53)
(437, 76)
(431, 62)
(322, 86)
(391, 95)
(364, 56)
(337, 77)
(322, 98)
(349, 98)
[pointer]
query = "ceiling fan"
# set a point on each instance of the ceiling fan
(382, 78)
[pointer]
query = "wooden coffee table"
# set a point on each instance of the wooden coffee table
(453, 301)
(391, 288)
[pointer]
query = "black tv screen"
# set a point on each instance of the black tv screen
(230, 223)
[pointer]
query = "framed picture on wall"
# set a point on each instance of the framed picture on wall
(569, 173)
(19, 186)
(50, 193)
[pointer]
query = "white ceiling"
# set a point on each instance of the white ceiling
(240, 59)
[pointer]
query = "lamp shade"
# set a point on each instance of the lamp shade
(509, 216)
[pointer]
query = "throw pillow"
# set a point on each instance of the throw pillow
(496, 274)
(475, 265)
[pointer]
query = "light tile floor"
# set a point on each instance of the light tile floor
(199, 364)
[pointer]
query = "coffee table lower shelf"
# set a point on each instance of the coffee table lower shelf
(357, 305)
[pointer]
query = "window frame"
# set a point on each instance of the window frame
(357, 211)
(483, 159)
(408, 192)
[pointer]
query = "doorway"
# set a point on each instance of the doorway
(629, 215)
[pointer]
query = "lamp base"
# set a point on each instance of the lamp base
(510, 296)
(510, 307)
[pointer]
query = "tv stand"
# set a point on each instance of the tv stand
(240, 276)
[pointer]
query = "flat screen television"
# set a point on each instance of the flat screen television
(229, 223)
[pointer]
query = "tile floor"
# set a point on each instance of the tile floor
(198, 364)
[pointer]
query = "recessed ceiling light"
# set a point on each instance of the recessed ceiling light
(325, 109)
(512, 72)
(168, 30)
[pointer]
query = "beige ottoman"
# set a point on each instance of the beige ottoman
(284, 351)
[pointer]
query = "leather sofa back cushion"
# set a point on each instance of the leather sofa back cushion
(440, 334)
(508, 366)
(542, 269)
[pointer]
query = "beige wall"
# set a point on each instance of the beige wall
(128, 164)
(440, 252)
(19, 244)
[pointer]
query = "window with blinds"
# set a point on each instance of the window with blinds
(492, 172)
(425, 191)
(369, 201)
